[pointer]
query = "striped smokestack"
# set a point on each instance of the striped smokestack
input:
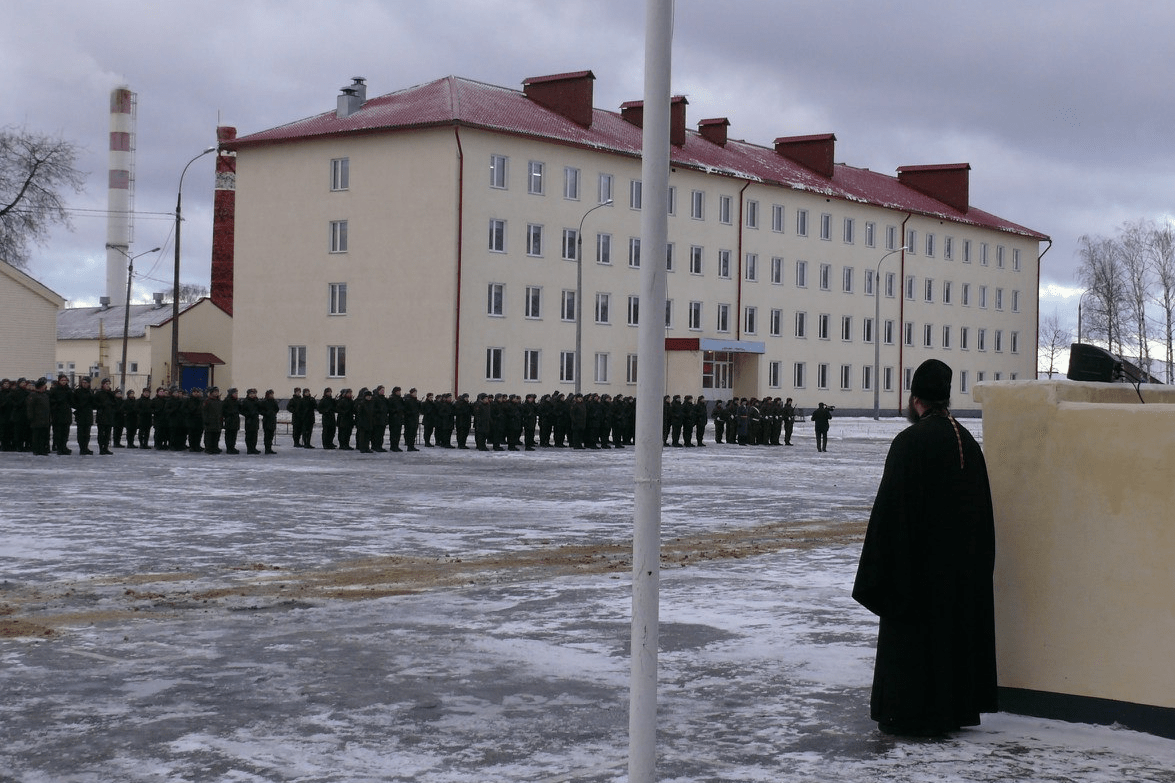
(120, 191)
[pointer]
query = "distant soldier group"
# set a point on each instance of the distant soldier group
(37, 416)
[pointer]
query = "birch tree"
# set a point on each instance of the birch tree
(36, 171)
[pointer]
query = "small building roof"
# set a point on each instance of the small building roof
(90, 323)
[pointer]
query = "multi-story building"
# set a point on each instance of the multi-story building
(432, 238)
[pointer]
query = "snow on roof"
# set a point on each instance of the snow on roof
(459, 101)
(90, 323)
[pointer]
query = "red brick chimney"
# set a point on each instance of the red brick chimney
(634, 112)
(948, 183)
(714, 130)
(224, 209)
(566, 94)
(812, 152)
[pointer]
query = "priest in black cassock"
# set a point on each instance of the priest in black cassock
(926, 571)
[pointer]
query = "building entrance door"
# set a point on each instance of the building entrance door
(718, 374)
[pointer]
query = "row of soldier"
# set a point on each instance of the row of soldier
(197, 420)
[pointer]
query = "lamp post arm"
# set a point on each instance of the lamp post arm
(175, 289)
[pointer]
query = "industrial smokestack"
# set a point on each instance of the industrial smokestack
(120, 194)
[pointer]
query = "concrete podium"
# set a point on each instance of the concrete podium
(1083, 483)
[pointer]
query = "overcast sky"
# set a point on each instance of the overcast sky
(1063, 108)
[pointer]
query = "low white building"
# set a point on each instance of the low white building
(28, 331)
(432, 238)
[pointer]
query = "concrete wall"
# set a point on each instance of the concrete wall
(1084, 582)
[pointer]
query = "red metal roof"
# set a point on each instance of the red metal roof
(199, 358)
(457, 101)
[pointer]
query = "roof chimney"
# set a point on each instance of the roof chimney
(714, 130)
(158, 298)
(633, 112)
(353, 96)
(104, 302)
(567, 94)
(948, 183)
(812, 152)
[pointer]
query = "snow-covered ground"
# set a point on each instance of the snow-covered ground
(457, 616)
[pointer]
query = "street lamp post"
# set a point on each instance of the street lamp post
(175, 289)
(877, 334)
(579, 294)
(126, 318)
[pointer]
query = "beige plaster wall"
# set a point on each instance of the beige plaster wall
(29, 328)
(1084, 583)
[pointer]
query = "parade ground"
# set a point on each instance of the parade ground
(463, 617)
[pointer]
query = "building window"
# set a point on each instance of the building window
(695, 316)
(570, 248)
(966, 294)
(338, 298)
(668, 313)
(822, 326)
(999, 299)
(338, 236)
(752, 214)
(603, 248)
(981, 339)
(946, 337)
(777, 270)
(801, 274)
(751, 271)
(723, 323)
(534, 239)
(630, 369)
(750, 319)
(672, 206)
(777, 218)
(999, 340)
(946, 292)
(911, 241)
(846, 377)
(848, 232)
(602, 368)
(891, 237)
(635, 195)
(532, 365)
(724, 264)
(668, 256)
(983, 297)
(634, 252)
(776, 325)
(966, 251)
(567, 306)
(887, 335)
(908, 334)
(870, 234)
(497, 242)
(340, 174)
(928, 290)
(869, 274)
(534, 301)
(498, 172)
(928, 336)
(910, 287)
(774, 371)
(534, 177)
(826, 226)
(1014, 347)
(963, 387)
(604, 191)
(983, 254)
(846, 280)
(496, 299)
(724, 205)
(1015, 301)
(846, 328)
(571, 183)
(567, 366)
(867, 330)
(802, 222)
(695, 259)
(999, 256)
(825, 277)
(866, 378)
(891, 280)
(801, 324)
(948, 248)
(697, 205)
(1015, 259)
(634, 310)
(887, 379)
(298, 361)
(822, 376)
(603, 308)
(964, 338)
(494, 364)
(797, 375)
(336, 361)
(930, 245)
(908, 378)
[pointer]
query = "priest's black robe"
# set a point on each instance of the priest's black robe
(926, 571)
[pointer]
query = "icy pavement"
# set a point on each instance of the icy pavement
(456, 616)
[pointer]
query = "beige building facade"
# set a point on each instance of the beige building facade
(432, 238)
(29, 330)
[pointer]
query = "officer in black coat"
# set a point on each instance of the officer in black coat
(130, 420)
(293, 405)
(83, 414)
(364, 420)
(444, 421)
(483, 414)
(269, 409)
(104, 403)
(251, 412)
(230, 412)
(194, 414)
(380, 418)
(305, 416)
(345, 418)
(143, 408)
(38, 414)
(462, 420)
(530, 418)
(327, 406)
(411, 419)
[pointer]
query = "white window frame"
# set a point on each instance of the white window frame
(722, 322)
(340, 174)
(695, 316)
(571, 183)
(532, 365)
(604, 189)
(634, 310)
(338, 236)
(604, 249)
(297, 361)
(569, 250)
(494, 363)
(696, 255)
(337, 293)
(603, 311)
(336, 361)
(567, 305)
(533, 302)
(534, 240)
(497, 236)
(499, 169)
(496, 300)
(535, 174)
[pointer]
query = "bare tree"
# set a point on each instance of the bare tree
(1054, 340)
(35, 171)
(1101, 272)
(1134, 252)
(1163, 265)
